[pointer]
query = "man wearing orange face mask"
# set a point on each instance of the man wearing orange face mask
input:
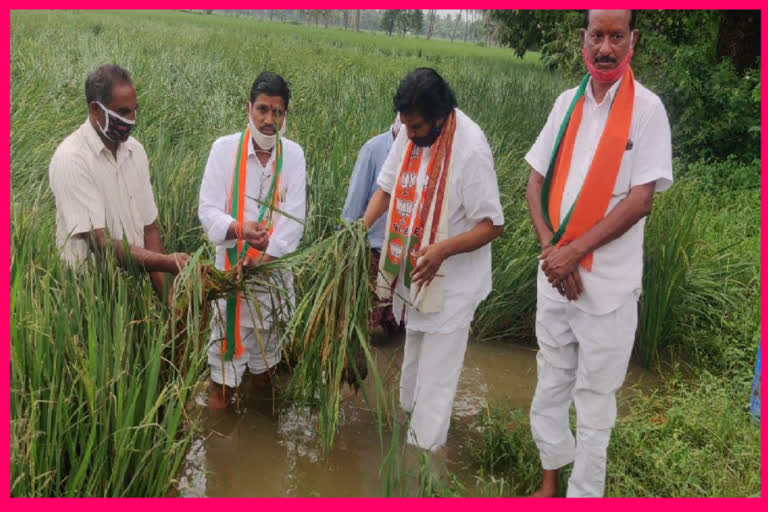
(252, 177)
(602, 154)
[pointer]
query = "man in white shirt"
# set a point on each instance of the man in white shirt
(254, 163)
(439, 188)
(603, 153)
(99, 176)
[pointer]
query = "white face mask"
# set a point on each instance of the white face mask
(120, 127)
(264, 141)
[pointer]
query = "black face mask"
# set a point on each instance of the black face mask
(117, 128)
(429, 138)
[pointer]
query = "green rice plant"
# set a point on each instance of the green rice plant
(327, 335)
(687, 284)
(97, 403)
(671, 239)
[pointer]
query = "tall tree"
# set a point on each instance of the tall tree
(357, 20)
(738, 38)
(389, 20)
(431, 26)
(455, 26)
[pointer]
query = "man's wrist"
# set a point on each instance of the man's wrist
(579, 248)
(545, 240)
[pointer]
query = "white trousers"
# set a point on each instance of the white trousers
(432, 365)
(258, 356)
(582, 359)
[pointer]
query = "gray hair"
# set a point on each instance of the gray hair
(98, 85)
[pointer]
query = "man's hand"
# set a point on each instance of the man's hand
(177, 261)
(256, 235)
(571, 287)
(560, 263)
(428, 261)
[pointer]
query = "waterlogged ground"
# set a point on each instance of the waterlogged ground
(255, 451)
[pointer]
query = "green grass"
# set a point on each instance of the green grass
(96, 410)
(685, 439)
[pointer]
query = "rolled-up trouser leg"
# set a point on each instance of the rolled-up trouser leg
(440, 361)
(263, 350)
(605, 346)
(229, 373)
(556, 371)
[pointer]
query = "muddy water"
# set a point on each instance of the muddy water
(256, 451)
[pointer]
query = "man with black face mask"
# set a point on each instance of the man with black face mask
(100, 177)
(439, 188)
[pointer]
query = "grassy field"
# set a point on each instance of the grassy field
(97, 388)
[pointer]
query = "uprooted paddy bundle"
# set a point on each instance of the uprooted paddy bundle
(325, 335)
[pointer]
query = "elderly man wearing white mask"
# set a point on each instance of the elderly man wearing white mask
(254, 163)
(99, 176)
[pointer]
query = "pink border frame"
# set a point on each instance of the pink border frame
(371, 504)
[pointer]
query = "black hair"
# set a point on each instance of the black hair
(631, 19)
(98, 85)
(270, 84)
(424, 91)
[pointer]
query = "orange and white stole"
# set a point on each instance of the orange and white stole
(232, 345)
(426, 212)
(595, 194)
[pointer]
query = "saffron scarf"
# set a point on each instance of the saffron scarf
(236, 209)
(425, 212)
(595, 195)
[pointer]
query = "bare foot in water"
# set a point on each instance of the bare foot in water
(219, 396)
(548, 487)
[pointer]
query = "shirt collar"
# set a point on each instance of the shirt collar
(608, 96)
(96, 144)
(252, 150)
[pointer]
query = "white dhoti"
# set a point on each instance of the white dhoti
(432, 365)
(261, 351)
(582, 358)
(258, 333)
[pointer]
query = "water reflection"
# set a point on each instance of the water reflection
(259, 451)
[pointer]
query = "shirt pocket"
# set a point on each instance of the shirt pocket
(621, 188)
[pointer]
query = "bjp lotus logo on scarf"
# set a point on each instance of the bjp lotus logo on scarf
(408, 179)
(404, 208)
(395, 250)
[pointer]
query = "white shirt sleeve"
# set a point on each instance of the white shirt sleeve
(79, 202)
(653, 160)
(479, 193)
(540, 153)
(213, 197)
(388, 173)
(287, 233)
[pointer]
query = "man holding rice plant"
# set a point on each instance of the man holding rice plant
(99, 176)
(603, 152)
(438, 187)
(252, 207)
(362, 186)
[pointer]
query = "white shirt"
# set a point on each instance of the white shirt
(472, 196)
(216, 189)
(95, 190)
(617, 268)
